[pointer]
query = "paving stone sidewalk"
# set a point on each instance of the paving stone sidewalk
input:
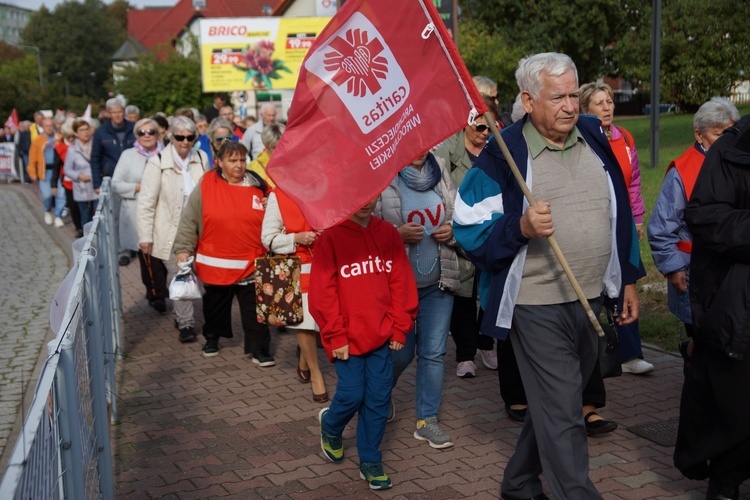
(195, 427)
(34, 264)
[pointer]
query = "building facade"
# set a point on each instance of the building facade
(12, 22)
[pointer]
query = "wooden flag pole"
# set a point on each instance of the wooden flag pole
(553, 243)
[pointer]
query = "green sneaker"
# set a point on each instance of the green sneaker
(372, 472)
(332, 446)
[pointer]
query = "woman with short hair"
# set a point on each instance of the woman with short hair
(270, 136)
(221, 227)
(168, 180)
(78, 169)
(126, 182)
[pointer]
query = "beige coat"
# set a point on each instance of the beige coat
(162, 198)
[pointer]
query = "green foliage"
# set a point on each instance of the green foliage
(19, 88)
(164, 81)
(489, 55)
(581, 29)
(76, 39)
(705, 48)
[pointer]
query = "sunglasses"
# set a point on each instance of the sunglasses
(222, 140)
(481, 127)
(147, 131)
(180, 138)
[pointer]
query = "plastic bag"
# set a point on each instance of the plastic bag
(184, 285)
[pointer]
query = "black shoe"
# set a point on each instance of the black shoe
(263, 359)
(187, 334)
(595, 427)
(540, 496)
(211, 348)
(516, 415)
(720, 492)
(158, 304)
(123, 260)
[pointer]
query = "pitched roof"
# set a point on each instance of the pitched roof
(153, 27)
(129, 50)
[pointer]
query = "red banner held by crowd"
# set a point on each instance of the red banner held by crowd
(382, 83)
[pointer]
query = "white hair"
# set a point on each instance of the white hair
(115, 102)
(517, 112)
(718, 112)
(182, 123)
(530, 69)
(485, 85)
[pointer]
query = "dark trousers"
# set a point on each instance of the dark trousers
(511, 385)
(217, 313)
(713, 439)
(153, 276)
(75, 214)
(465, 329)
(556, 350)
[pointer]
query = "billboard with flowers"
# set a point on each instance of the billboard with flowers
(255, 53)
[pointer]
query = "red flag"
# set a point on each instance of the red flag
(12, 120)
(382, 83)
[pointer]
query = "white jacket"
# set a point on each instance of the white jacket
(162, 197)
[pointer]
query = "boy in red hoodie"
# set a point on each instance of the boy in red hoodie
(364, 298)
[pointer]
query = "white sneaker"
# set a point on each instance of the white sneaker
(466, 369)
(489, 358)
(48, 219)
(637, 366)
(59, 222)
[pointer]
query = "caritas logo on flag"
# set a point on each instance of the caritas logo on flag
(359, 66)
(382, 84)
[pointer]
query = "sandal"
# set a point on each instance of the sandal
(302, 375)
(595, 427)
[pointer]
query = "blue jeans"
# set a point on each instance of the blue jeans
(430, 334)
(49, 201)
(630, 341)
(87, 209)
(364, 386)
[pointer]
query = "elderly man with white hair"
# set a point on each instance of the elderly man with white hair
(581, 197)
(109, 141)
(251, 138)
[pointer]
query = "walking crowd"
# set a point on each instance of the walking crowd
(451, 247)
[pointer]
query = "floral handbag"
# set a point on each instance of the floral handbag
(277, 290)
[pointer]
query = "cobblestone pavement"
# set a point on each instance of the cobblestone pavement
(33, 266)
(195, 427)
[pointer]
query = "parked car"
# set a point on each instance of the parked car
(663, 108)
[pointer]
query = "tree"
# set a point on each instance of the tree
(705, 48)
(580, 29)
(19, 87)
(164, 80)
(77, 39)
(488, 55)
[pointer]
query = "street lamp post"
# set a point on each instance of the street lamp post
(38, 58)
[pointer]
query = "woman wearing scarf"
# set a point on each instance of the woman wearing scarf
(168, 180)
(419, 203)
(78, 169)
(126, 183)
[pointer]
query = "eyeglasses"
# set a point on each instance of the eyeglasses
(222, 140)
(146, 131)
(481, 127)
(180, 138)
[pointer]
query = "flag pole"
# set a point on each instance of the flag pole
(553, 243)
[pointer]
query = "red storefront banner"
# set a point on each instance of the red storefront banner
(382, 83)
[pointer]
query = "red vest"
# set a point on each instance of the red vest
(622, 147)
(295, 222)
(232, 220)
(688, 165)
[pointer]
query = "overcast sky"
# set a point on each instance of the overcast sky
(35, 4)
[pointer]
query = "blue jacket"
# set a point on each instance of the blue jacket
(666, 227)
(486, 223)
(107, 148)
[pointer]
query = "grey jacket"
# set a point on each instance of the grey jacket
(453, 152)
(388, 208)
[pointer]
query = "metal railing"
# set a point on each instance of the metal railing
(63, 449)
